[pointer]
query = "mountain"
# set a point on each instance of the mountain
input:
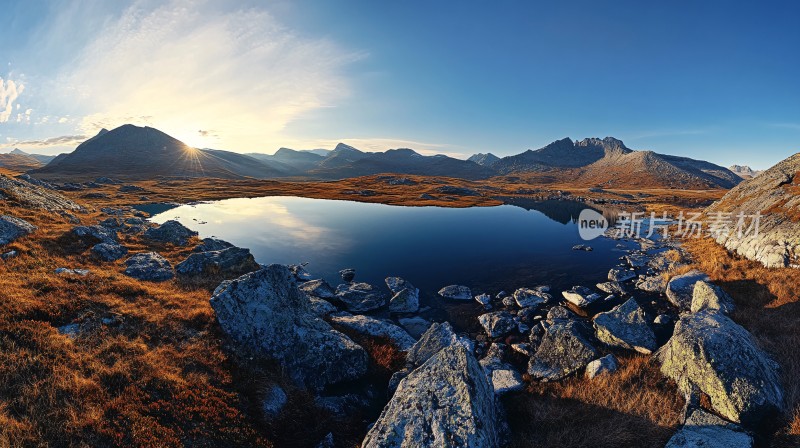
(775, 196)
(19, 162)
(488, 159)
(398, 161)
(132, 152)
(43, 159)
(744, 171)
(291, 160)
(562, 153)
(342, 155)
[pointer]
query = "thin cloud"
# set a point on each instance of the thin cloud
(64, 140)
(794, 126)
(10, 90)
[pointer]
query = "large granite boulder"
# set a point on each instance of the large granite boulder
(12, 228)
(710, 297)
(720, 358)
(626, 326)
(360, 297)
(171, 232)
(446, 402)
(149, 266)
(369, 326)
(437, 337)
(230, 262)
(267, 316)
(680, 288)
(566, 347)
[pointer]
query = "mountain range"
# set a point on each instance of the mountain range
(132, 152)
(20, 160)
(744, 171)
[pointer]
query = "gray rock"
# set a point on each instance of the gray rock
(704, 430)
(711, 352)
(456, 292)
(621, 275)
(109, 251)
(485, 300)
(710, 297)
(12, 228)
(405, 298)
(130, 189)
(267, 316)
(67, 271)
(559, 313)
(680, 289)
(171, 232)
(9, 255)
(613, 288)
(369, 326)
(500, 374)
(581, 296)
(523, 348)
(445, 402)
(274, 401)
(321, 307)
(347, 274)
(318, 288)
(526, 297)
(498, 323)
(662, 319)
(656, 284)
(230, 262)
(415, 326)
(565, 349)
(438, 336)
(210, 244)
(636, 260)
(360, 297)
(626, 326)
(95, 234)
(149, 266)
(29, 195)
(605, 365)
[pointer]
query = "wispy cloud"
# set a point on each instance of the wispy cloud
(10, 90)
(794, 126)
(184, 66)
(64, 140)
(667, 133)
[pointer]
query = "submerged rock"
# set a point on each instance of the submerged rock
(711, 352)
(171, 232)
(370, 326)
(415, 326)
(12, 228)
(230, 262)
(626, 326)
(564, 349)
(360, 297)
(680, 289)
(149, 266)
(456, 292)
(445, 402)
(266, 315)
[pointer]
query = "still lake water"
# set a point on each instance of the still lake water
(486, 248)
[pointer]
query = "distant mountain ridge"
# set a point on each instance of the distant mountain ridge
(43, 159)
(487, 159)
(744, 171)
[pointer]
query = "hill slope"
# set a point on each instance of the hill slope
(132, 152)
(19, 162)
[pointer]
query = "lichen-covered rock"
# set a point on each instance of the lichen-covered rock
(360, 297)
(497, 324)
(581, 296)
(605, 365)
(318, 288)
(405, 297)
(456, 292)
(267, 316)
(501, 375)
(321, 307)
(230, 262)
(438, 336)
(12, 228)
(210, 244)
(109, 251)
(626, 326)
(526, 297)
(705, 430)
(654, 283)
(171, 232)
(565, 348)
(711, 352)
(370, 326)
(710, 297)
(149, 266)
(27, 194)
(680, 288)
(95, 234)
(446, 402)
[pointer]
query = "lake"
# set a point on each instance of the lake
(489, 249)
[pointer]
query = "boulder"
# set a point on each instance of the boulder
(680, 289)
(438, 336)
(605, 365)
(626, 326)
(612, 288)
(230, 262)
(501, 375)
(559, 313)
(565, 348)
(31, 195)
(498, 323)
(485, 300)
(636, 260)
(621, 275)
(321, 307)
(95, 234)
(525, 297)
(267, 316)
(581, 296)
(369, 326)
(720, 358)
(656, 284)
(109, 251)
(171, 232)
(318, 288)
(149, 266)
(12, 228)
(360, 297)
(347, 274)
(209, 244)
(456, 292)
(706, 430)
(405, 298)
(710, 297)
(445, 402)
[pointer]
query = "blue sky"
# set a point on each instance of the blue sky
(709, 80)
